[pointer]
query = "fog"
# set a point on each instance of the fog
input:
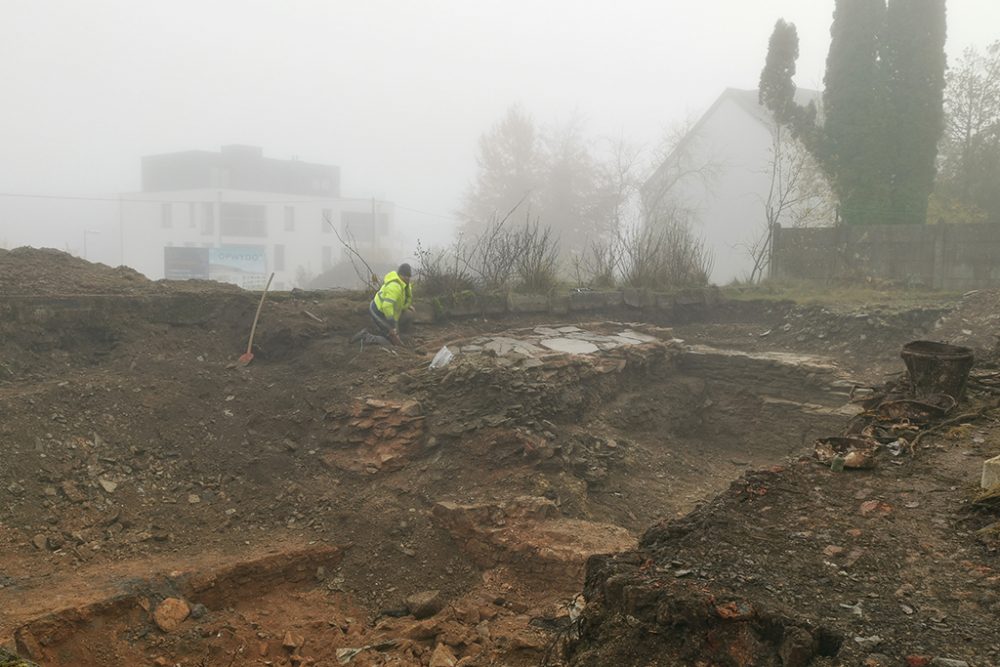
(395, 93)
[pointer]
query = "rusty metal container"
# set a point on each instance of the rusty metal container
(937, 368)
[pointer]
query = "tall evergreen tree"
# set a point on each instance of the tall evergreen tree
(856, 146)
(882, 105)
(777, 88)
(913, 59)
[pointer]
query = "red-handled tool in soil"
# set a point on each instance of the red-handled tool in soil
(247, 356)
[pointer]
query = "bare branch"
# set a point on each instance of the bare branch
(373, 277)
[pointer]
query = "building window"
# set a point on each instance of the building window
(192, 221)
(289, 218)
(208, 213)
(166, 215)
(279, 258)
(326, 220)
(242, 220)
(327, 257)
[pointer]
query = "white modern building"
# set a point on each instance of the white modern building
(719, 176)
(237, 216)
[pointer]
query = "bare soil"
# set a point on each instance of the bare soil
(295, 505)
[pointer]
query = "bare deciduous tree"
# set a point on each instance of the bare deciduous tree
(969, 175)
(798, 196)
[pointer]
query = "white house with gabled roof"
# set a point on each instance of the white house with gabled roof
(719, 177)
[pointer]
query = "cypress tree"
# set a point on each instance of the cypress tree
(856, 144)
(913, 59)
(777, 90)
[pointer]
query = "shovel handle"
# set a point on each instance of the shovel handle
(260, 305)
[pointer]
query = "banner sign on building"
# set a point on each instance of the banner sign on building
(245, 266)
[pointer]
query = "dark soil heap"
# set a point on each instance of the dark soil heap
(49, 272)
(798, 565)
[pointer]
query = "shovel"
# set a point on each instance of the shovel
(247, 356)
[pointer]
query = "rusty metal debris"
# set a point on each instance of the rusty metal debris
(899, 413)
(937, 368)
(854, 452)
(913, 411)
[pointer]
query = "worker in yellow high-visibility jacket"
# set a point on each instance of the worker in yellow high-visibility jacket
(394, 298)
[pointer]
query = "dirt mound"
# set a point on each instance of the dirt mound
(49, 272)
(974, 323)
(801, 565)
(30, 271)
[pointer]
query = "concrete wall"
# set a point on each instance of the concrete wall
(681, 303)
(949, 257)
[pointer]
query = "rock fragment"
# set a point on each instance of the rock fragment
(170, 614)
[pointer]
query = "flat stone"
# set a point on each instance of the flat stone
(526, 349)
(500, 346)
(569, 346)
(644, 338)
(991, 473)
(797, 647)
(442, 657)
(72, 492)
(108, 485)
(425, 604)
(569, 330)
(411, 409)
(868, 643)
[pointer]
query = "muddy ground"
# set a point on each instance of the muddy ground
(329, 504)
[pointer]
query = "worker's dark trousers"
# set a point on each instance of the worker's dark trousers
(382, 324)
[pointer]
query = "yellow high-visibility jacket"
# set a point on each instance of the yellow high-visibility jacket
(394, 297)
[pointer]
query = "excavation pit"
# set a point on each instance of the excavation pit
(492, 480)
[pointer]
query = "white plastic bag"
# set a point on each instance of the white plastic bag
(442, 358)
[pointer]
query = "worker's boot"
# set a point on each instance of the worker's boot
(372, 339)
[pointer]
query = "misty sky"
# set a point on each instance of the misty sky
(394, 92)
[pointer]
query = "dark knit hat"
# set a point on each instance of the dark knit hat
(404, 270)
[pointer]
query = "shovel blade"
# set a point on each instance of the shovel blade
(245, 358)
